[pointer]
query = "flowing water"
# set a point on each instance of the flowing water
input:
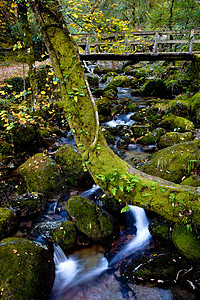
(88, 275)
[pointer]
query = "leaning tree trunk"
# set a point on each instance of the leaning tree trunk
(117, 178)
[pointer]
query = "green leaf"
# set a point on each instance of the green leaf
(114, 191)
(125, 209)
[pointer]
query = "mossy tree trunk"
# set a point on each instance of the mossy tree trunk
(117, 178)
(28, 47)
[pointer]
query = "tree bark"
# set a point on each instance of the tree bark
(117, 178)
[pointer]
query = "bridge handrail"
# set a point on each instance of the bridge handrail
(129, 38)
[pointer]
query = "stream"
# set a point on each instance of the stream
(88, 274)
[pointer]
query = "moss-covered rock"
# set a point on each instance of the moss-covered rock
(153, 137)
(90, 219)
(186, 241)
(181, 106)
(195, 107)
(93, 79)
(26, 138)
(8, 220)
(110, 93)
(154, 88)
(175, 123)
(118, 81)
(140, 130)
(27, 270)
(175, 162)
(41, 174)
(65, 235)
(28, 204)
(69, 159)
(104, 106)
(161, 229)
(108, 76)
(171, 138)
(193, 180)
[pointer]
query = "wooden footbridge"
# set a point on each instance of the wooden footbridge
(139, 45)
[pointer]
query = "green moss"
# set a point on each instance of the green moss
(160, 228)
(187, 242)
(28, 204)
(193, 180)
(8, 221)
(153, 137)
(154, 88)
(177, 123)
(41, 174)
(118, 81)
(65, 235)
(90, 219)
(26, 271)
(171, 138)
(70, 160)
(172, 163)
(196, 108)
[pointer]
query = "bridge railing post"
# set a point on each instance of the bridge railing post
(191, 40)
(155, 47)
(87, 47)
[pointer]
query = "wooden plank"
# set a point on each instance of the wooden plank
(139, 56)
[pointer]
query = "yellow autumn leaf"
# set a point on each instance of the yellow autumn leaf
(42, 92)
(75, 98)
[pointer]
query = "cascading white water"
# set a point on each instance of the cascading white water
(71, 271)
(142, 235)
(90, 192)
(121, 120)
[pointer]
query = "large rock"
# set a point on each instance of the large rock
(41, 174)
(187, 242)
(171, 138)
(90, 219)
(178, 124)
(153, 137)
(27, 270)
(28, 204)
(195, 107)
(154, 88)
(65, 235)
(8, 220)
(69, 159)
(175, 162)
(118, 81)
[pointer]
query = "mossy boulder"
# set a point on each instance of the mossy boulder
(41, 174)
(175, 123)
(65, 235)
(181, 106)
(193, 180)
(111, 93)
(187, 242)
(154, 88)
(161, 229)
(195, 108)
(140, 130)
(175, 162)
(8, 220)
(118, 81)
(153, 137)
(27, 270)
(69, 159)
(92, 79)
(28, 204)
(96, 224)
(26, 138)
(104, 106)
(108, 76)
(171, 138)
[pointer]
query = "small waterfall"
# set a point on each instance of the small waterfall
(90, 192)
(71, 271)
(142, 235)
(123, 119)
(52, 207)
